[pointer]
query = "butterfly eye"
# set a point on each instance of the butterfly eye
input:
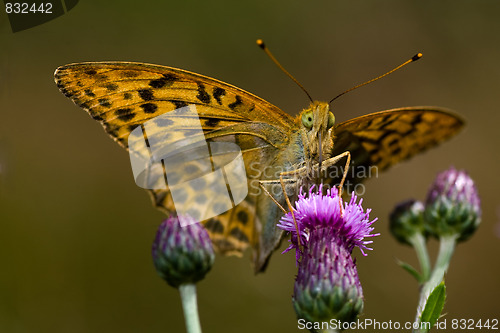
(307, 119)
(331, 120)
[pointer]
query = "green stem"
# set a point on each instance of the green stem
(446, 248)
(190, 307)
(418, 243)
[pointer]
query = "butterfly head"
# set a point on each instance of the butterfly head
(316, 123)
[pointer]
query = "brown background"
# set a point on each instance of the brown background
(76, 231)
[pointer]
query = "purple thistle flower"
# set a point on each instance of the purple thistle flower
(182, 254)
(315, 211)
(453, 205)
(327, 285)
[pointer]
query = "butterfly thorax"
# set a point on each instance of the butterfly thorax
(316, 130)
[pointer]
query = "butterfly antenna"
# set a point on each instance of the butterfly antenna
(263, 46)
(414, 58)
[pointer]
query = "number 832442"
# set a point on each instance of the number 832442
(28, 8)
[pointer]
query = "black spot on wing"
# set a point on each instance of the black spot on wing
(127, 95)
(165, 81)
(242, 217)
(121, 140)
(149, 107)
(132, 127)
(236, 103)
(239, 234)
(380, 122)
(212, 122)
(146, 94)
(214, 226)
(384, 119)
(129, 74)
(111, 87)
(179, 104)
(65, 91)
(90, 72)
(385, 135)
(393, 141)
(397, 150)
(416, 120)
(104, 102)
(218, 93)
(203, 96)
(368, 123)
(125, 114)
(97, 117)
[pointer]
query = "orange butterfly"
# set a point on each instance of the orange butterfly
(124, 95)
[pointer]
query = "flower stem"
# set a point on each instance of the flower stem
(418, 243)
(190, 307)
(446, 248)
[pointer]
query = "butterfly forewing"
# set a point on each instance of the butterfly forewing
(123, 96)
(385, 138)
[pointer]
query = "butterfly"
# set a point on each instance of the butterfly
(125, 95)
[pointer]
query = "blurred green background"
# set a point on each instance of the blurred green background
(76, 232)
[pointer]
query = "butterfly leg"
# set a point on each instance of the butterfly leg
(261, 184)
(289, 204)
(300, 172)
(331, 161)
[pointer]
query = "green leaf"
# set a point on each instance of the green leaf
(434, 305)
(409, 268)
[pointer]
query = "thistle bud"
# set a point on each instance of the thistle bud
(406, 220)
(453, 205)
(182, 254)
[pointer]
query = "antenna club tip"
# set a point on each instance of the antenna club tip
(417, 56)
(261, 44)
